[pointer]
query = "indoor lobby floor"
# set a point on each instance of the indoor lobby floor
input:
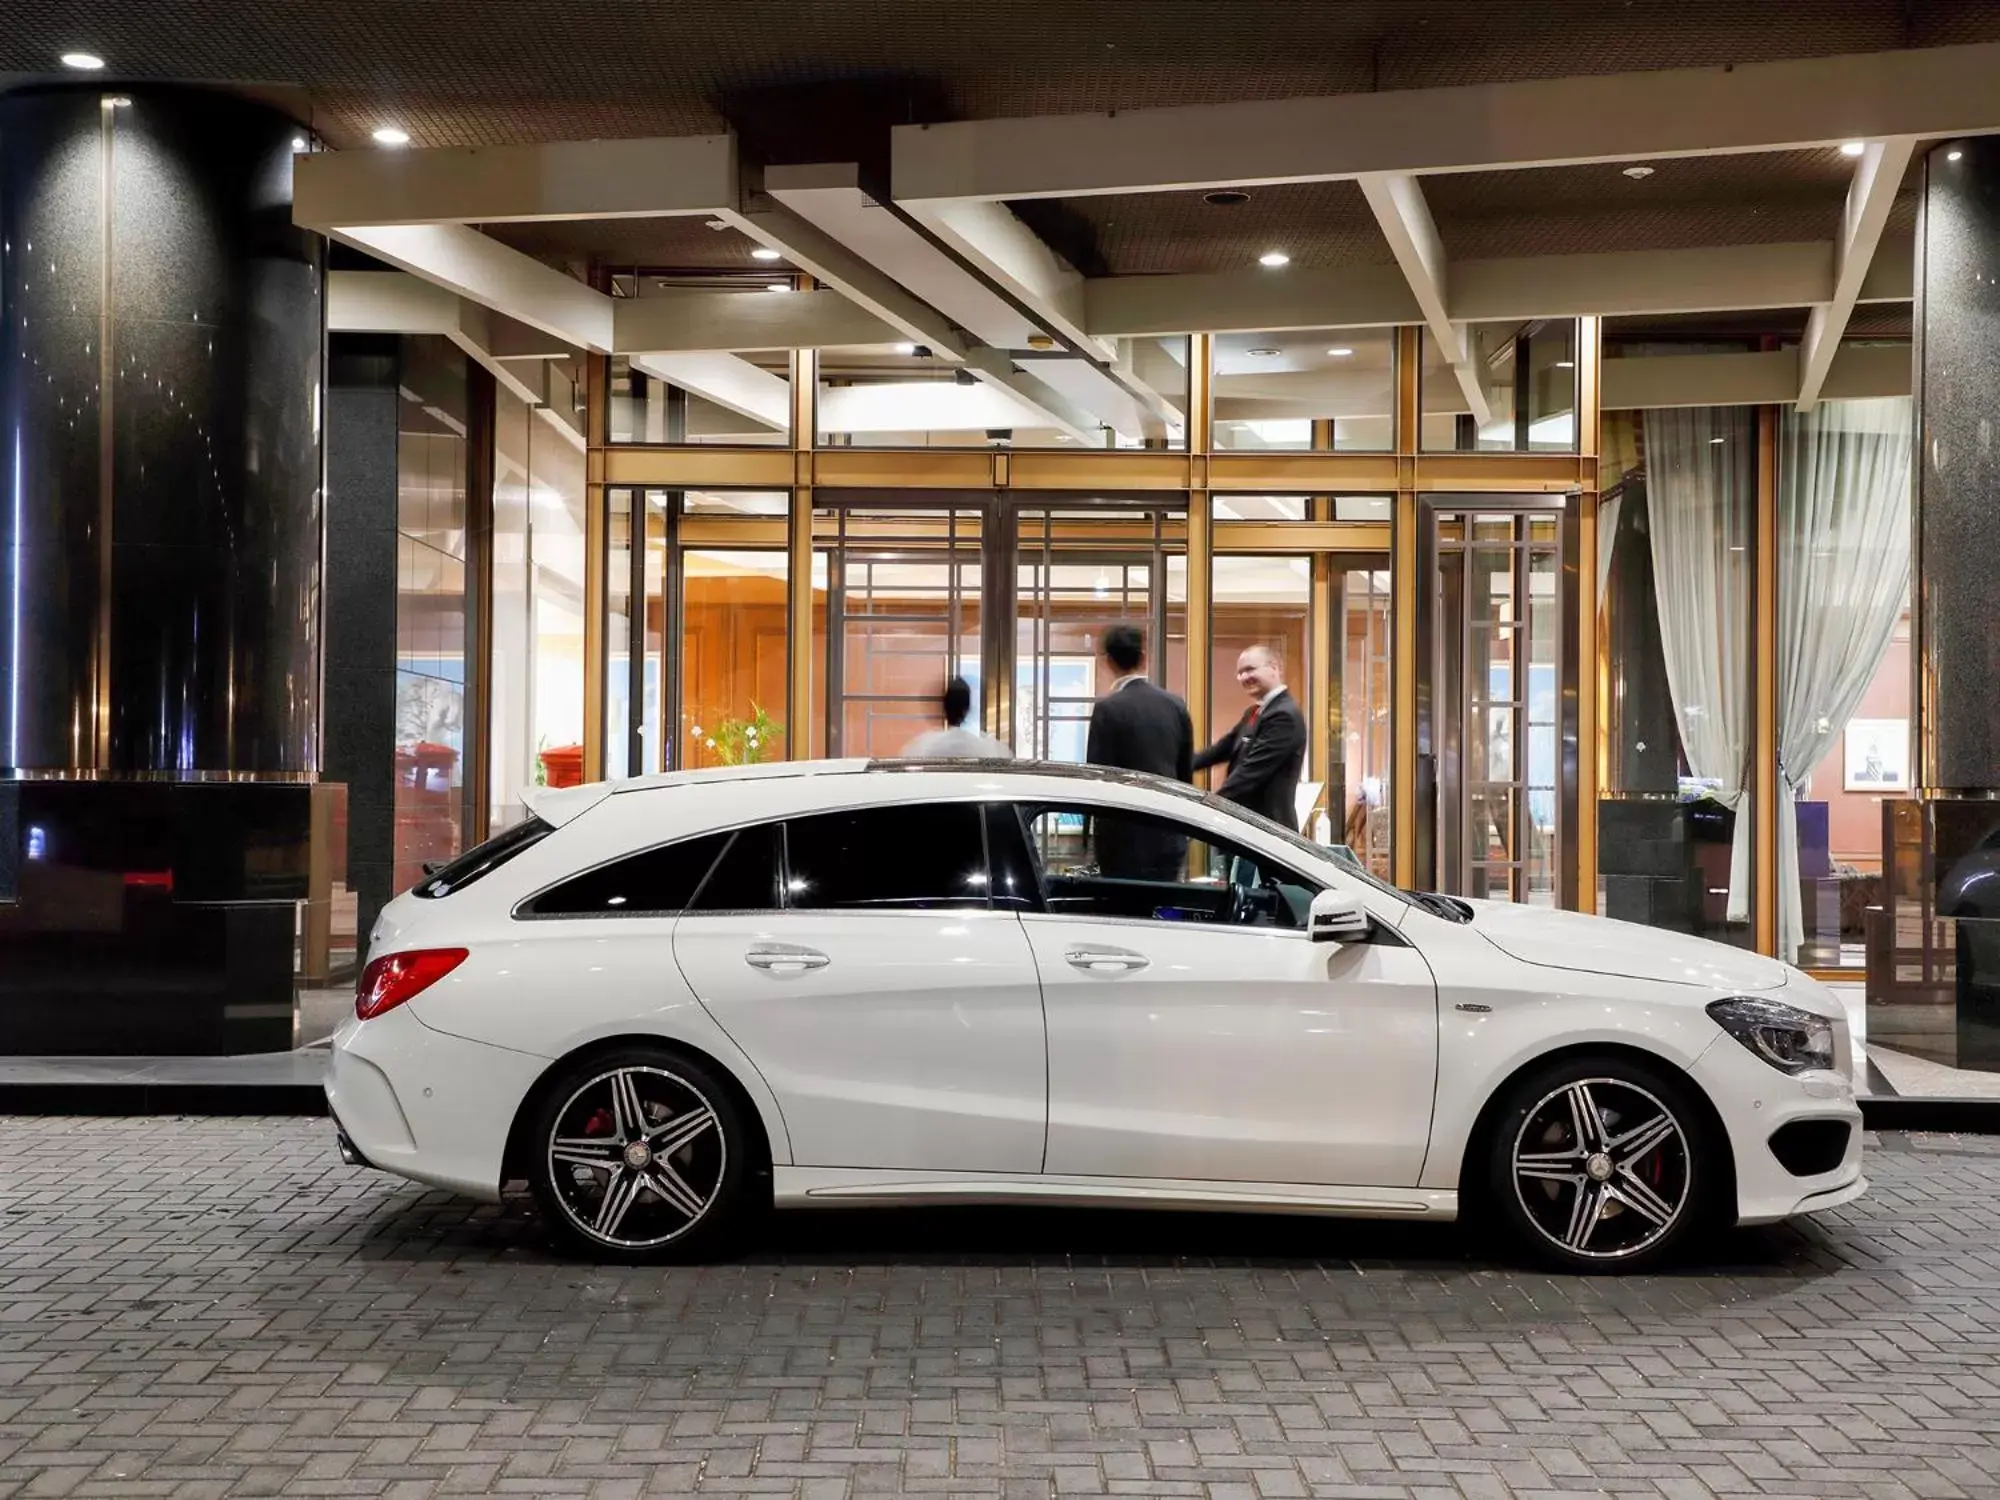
(220, 1308)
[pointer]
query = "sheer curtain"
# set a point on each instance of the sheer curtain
(1701, 483)
(1844, 566)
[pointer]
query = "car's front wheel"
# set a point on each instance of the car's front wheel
(639, 1155)
(1603, 1164)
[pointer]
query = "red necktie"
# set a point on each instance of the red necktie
(1251, 722)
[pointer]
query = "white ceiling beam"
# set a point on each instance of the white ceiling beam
(1618, 283)
(1399, 207)
(690, 318)
(397, 302)
(726, 380)
(988, 237)
(1769, 106)
(1061, 412)
(481, 269)
(1878, 175)
(1760, 379)
(820, 255)
(617, 179)
(830, 197)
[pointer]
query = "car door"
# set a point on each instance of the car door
(1195, 1032)
(896, 1018)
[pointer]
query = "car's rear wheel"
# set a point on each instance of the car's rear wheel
(639, 1155)
(1604, 1164)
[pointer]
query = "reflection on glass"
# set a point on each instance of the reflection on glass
(1261, 508)
(536, 704)
(1674, 574)
(1843, 669)
(1365, 701)
(702, 397)
(1329, 389)
(619, 539)
(430, 607)
(1522, 377)
(905, 396)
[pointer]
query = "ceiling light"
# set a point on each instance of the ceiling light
(906, 348)
(1635, 173)
(389, 135)
(298, 143)
(1717, 442)
(1263, 353)
(1565, 364)
(1226, 197)
(83, 62)
(1953, 155)
(779, 286)
(1274, 258)
(1851, 148)
(1340, 353)
(764, 252)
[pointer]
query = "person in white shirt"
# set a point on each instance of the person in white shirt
(956, 741)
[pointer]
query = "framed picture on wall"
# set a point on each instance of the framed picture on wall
(1877, 755)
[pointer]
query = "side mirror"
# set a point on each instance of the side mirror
(1336, 917)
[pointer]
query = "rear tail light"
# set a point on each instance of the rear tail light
(390, 980)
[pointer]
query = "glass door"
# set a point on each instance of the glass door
(1497, 691)
(1365, 745)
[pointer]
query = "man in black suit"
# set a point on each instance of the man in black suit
(1138, 727)
(1267, 749)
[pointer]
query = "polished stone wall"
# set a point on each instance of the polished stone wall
(159, 485)
(161, 329)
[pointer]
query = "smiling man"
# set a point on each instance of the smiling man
(1266, 749)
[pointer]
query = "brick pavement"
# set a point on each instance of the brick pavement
(219, 1308)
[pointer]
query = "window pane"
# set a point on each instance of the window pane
(732, 658)
(1263, 601)
(485, 858)
(1843, 664)
(904, 396)
(1329, 389)
(1526, 374)
(702, 397)
(746, 877)
(658, 881)
(1101, 864)
(1674, 572)
(911, 856)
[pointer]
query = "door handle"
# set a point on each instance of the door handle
(785, 958)
(1106, 960)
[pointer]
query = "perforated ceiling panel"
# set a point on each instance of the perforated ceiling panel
(485, 71)
(1136, 234)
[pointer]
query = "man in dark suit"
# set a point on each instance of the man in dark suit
(1138, 727)
(1267, 749)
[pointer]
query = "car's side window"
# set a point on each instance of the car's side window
(905, 856)
(745, 878)
(1100, 862)
(652, 883)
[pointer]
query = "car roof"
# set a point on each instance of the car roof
(885, 766)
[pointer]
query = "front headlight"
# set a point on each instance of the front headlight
(1789, 1039)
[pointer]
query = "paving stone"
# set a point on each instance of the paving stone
(207, 1309)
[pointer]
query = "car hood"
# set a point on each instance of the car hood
(1598, 945)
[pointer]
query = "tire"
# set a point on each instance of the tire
(640, 1156)
(1600, 1164)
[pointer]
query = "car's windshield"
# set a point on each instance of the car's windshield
(1305, 845)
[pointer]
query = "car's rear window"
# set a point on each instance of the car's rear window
(483, 859)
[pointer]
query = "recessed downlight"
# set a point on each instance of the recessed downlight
(765, 252)
(83, 62)
(1953, 155)
(390, 135)
(1226, 197)
(1340, 351)
(1274, 258)
(1637, 173)
(779, 286)
(1851, 148)
(1262, 352)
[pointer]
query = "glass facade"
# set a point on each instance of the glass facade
(1514, 391)
(1326, 389)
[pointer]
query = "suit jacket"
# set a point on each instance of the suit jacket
(1140, 727)
(1264, 760)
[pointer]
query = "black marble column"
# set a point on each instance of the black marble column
(1957, 524)
(161, 329)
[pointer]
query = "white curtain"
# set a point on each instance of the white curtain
(1701, 489)
(1844, 576)
(1607, 541)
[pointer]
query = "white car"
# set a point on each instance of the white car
(669, 1002)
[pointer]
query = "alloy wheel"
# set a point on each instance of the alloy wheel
(637, 1157)
(1601, 1169)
